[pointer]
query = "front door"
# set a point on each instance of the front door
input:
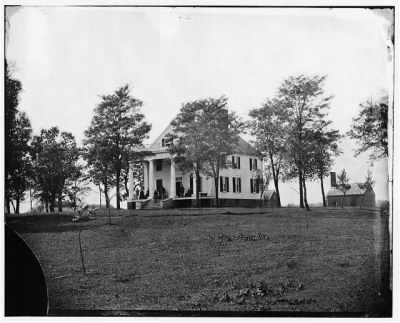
(159, 188)
(178, 186)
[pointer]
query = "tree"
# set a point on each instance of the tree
(18, 131)
(305, 103)
(54, 160)
(117, 129)
(369, 128)
(188, 148)
(269, 127)
(343, 184)
(367, 186)
(77, 186)
(20, 169)
(324, 147)
(218, 130)
(99, 163)
(82, 213)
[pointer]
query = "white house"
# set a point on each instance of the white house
(167, 186)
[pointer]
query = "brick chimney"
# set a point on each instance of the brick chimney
(333, 179)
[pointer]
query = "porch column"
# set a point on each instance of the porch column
(151, 177)
(130, 183)
(194, 185)
(146, 178)
(173, 180)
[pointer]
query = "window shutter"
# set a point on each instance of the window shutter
(240, 185)
(233, 162)
(257, 182)
(227, 183)
(238, 159)
(255, 164)
(250, 163)
(251, 185)
(233, 185)
(221, 184)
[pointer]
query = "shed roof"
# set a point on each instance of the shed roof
(355, 189)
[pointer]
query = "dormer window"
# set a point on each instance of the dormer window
(166, 142)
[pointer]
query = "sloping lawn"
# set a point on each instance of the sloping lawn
(215, 260)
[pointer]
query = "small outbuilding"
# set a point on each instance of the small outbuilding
(354, 196)
(270, 198)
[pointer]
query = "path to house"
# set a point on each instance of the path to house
(216, 260)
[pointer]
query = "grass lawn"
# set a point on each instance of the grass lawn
(215, 260)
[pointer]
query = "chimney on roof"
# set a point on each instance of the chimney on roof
(333, 179)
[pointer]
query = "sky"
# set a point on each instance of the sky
(66, 57)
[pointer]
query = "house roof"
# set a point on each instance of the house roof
(354, 190)
(243, 147)
(157, 143)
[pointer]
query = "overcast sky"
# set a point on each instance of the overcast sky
(66, 57)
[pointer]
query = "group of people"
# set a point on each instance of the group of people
(140, 195)
(161, 194)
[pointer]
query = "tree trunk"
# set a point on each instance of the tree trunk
(47, 205)
(106, 198)
(59, 203)
(8, 203)
(275, 174)
(344, 194)
(118, 198)
(17, 203)
(278, 195)
(323, 191)
(126, 184)
(301, 189)
(197, 189)
(52, 202)
(12, 203)
(216, 182)
(80, 248)
(305, 195)
(106, 193)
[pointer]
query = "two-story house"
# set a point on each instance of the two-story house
(165, 185)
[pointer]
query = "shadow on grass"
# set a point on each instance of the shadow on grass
(45, 223)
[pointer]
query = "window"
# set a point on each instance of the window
(223, 184)
(236, 162)
(166, 142)
(158, 164)
(236, 184)
(254, 185)
(253, 163)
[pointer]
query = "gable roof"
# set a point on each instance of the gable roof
(157, 143)
(243, 147)
(354, 190)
